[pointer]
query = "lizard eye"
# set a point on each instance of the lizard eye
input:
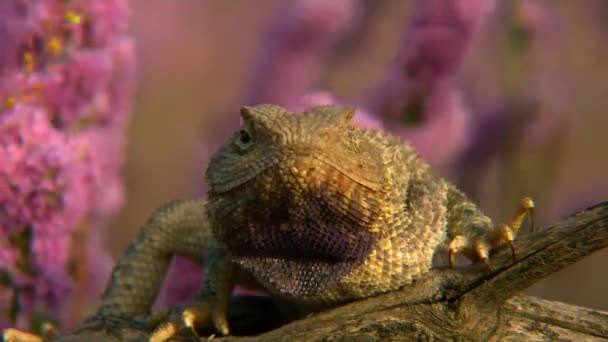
(244, 139)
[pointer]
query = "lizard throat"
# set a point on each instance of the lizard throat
(298, 278)
(303, 259)
(297, 250)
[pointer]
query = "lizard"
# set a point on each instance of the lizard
(309, 207)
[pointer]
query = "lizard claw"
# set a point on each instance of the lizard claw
(15, 335)
(488, 265)
(48, 332)
(482, 251)
(198, 312)
(504, 233)
(512, 250)
(531, 216)
(479, 248)
(526, 208)
(508, 232)
(165, 331)
(202, 313)
(457, 244)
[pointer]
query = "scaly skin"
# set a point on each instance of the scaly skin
(316, 210)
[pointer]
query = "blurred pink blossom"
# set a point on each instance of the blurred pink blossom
(435, 42)
(530, 115)
(445, 130)
(66, 82)
(417, 98)
(544, 32)
(182, 280)
(291, 58)
(324, 97)
(43, 178)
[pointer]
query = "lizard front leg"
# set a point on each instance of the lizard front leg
(473, 233)
(212, 301)
(49, 332)
(177, 228)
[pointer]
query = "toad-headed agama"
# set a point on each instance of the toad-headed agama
(311, 209)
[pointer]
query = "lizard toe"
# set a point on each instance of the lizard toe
(166, 323)
(457, 245)
(15, 335)
(481, 248)
(200, 312)
(504, 233)
(204, 311)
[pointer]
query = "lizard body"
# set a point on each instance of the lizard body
(312, 208)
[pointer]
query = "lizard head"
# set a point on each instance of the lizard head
(297, 197)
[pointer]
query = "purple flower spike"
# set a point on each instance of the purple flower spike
(291, 58)
(531, 113)
(543, 29)
(41, 173)
(436, 41)
(446, 130)
(66, 82)
(417, 98)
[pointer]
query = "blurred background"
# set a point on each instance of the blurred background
(546, 102)
(108, 109)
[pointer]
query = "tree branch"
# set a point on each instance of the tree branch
(545, 253)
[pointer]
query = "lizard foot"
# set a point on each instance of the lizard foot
(16, 335)
(479, 248)
(199, 312)
(48, 333)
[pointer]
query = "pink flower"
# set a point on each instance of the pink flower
(66, 82)
(445, 130)
(417, 98)
(435, 42)
(99, 263)
(531, 112)
(43, 174)
(321, 97)
(545, 36)
(291, 58)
